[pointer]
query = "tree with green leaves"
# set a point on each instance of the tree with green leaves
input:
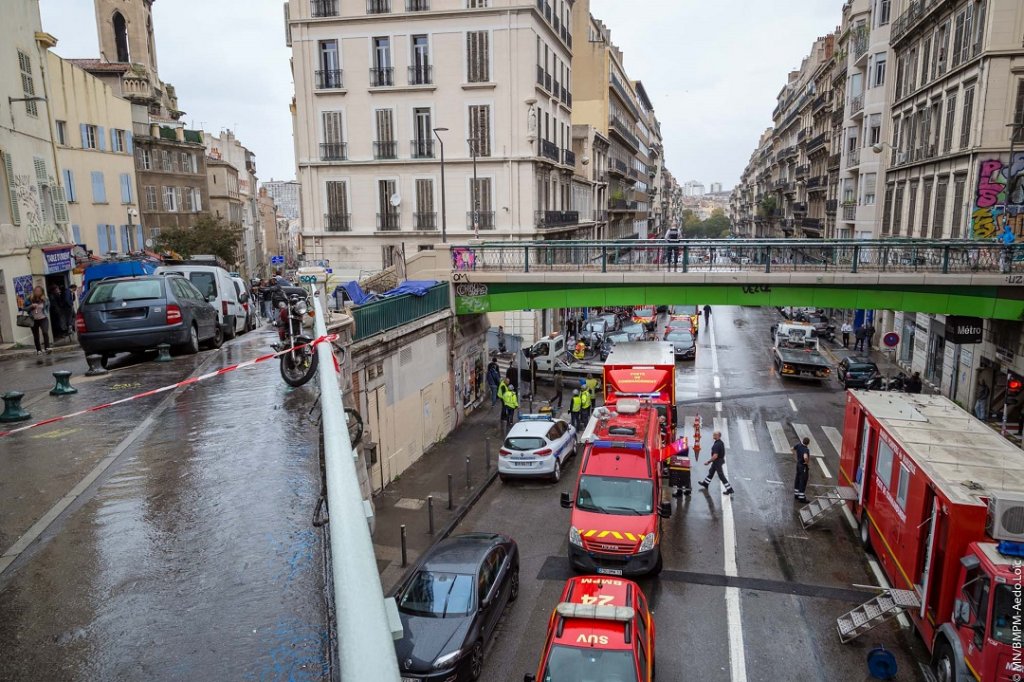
(208, 235)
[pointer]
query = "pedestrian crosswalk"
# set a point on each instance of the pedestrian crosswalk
(748, 434)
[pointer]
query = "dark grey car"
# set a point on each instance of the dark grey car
(138, 313)
(451, 603)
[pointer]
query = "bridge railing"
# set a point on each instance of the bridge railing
(839, 256)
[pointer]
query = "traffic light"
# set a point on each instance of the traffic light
(1014, 384)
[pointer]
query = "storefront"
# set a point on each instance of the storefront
(51, 269)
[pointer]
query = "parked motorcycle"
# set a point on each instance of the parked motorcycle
(896, 383)
(298, 365)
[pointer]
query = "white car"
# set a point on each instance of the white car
(537, 445)
(214, 282)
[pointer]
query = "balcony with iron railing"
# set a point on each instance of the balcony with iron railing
(421, 74)
(540, 75)
(915, 12)
(330, 79)
(424, 220)
(421, 148)
(799, 207)
(860, 43)
(816, 142)
(549, 150)
(378, 6)
(802, 135)
(849, 211)
(386, 149)
(819, 102)
(568, 157)
(389, 222)
(802, 171)
(619, 126)
(323, 8)
(618, 166)
(417, 5)
(834, 161)
(484, 220)
(382, 76)
(853, 157)
(337, 222)
(817, 183)
(621, 205)
(857, 105)
(830, 206)
(333, 151)
(557, 218)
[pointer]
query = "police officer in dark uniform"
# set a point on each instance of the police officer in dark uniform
(803, 469)
(716, 462)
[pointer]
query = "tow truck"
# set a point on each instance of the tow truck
(795, 352)
(602, 629)
(550, 355)
(615, 526)
(644, 370)
(939, 497)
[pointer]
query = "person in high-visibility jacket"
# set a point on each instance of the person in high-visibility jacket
(585, 405)
(580, 350)
(510, 403)
(574, 409)
(592, 387)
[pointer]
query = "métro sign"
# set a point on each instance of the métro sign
(960, 329)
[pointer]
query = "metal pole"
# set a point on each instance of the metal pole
(430, 514)
(476, 193)
(467, 473)
(366, 649)
(450, 496)
(405, 556)
(1006, 404)
(444, 211)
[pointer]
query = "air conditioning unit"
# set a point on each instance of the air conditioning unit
(1006, 516)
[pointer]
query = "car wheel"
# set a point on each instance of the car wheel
(556, 471)
(659, 565)
(504, 478)
(192, 346)
(217, 340)
(104, 359)
(476, 661)
(513, 592)
(945, 663)
(229, 328)
(865, 535)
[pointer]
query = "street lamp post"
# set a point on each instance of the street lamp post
(444, 212)
(476, 190)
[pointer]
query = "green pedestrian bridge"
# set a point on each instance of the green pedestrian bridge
(981, 279)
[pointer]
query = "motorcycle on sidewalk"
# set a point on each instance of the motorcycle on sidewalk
(299, 364)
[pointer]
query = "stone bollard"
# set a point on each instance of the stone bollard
(13, 411)
(63, 386)
(95, 365)
(163, 352)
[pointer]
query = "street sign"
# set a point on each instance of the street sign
(330, 271)
(277, 260)
(307, 279)
(891, 340)
(960, 329)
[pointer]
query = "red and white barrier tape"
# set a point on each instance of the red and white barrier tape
(163, 389)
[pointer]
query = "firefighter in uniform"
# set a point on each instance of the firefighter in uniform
(574, 408)
(716, 462)
(803, 469)
(510, 403)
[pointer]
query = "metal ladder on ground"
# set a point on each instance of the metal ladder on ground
(824, 504)
(874, 612)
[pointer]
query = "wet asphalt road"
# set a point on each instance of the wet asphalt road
(789, 584)
(192, 556)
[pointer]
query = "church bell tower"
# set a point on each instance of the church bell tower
(126, 32)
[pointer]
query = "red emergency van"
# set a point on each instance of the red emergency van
(602, 629)
(615, 527)
(939, 497)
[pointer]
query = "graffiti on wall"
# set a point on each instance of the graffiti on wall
(998, 210)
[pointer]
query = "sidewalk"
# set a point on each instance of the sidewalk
(9, 351)
(404, 501)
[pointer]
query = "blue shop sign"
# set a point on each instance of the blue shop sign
(57, 260)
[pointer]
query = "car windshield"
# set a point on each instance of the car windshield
(594, 325)
(861, 367)
(617, 337)
(569, 664)
(129, 290)
(633, 329)
(1004, 611)
(523, 443)
(614, 495)
(205, 282)
(438, 594)
(682, 337)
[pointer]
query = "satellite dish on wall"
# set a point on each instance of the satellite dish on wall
(396, 200)
(149, 243)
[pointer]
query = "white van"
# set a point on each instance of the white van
(215, 282)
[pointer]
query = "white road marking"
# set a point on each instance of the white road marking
(775, 482)
(718, 407)
(824, 469)
(718, 394)
(747, 438)
(793, 405)
(849, 516)
(737, 657)
(714, 350)
(834, 437)
(804, 431)
(722, 424)
(778, 435)
(718, 382)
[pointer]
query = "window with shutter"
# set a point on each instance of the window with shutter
(897, 211)
(477, 57)
(337, 198)
(385, 126)
(99, 189)
(965, 122)
(101, 237)
(941, 189)
(947, 142)
(1018, 114)
(126, 188)
(60, 205)
(480, 129)
(887, 208)
(12, 188)
(958, 37)
(27, 84)
(911, 206)
(957, 219)
(332, 127)
(69, 185)
(151, 198)
(926, 201)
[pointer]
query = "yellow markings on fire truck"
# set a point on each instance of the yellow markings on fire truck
(599, 599)
(601, 581)
(591, 639)
(598, 534)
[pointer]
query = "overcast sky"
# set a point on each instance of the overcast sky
(713, 69)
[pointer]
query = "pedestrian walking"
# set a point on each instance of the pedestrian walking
(501, 339)
(38, 308)
(846, 330)
(707, 314)
(859, 335)
(585, 404)
(715, 464)
(803, 468)
(493, 380)
(981, 403)
(557, 397)
(574, 409)
(672, 236)
(869, 334)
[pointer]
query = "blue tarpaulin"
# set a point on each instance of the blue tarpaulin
(109, 269)
(416, 287)
(355, 293)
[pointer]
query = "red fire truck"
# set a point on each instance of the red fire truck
(940, 500)
(616, 506)
(645, 370)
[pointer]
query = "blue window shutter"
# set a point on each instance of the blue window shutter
(99, 190)
(84, 129)
(69, 185)
(140, 242)
(101, 137)
(125, 247)
(101, 234)
(128, 143)
(126, 188)
(76, 234)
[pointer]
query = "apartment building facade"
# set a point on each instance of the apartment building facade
(95, 148)
(170, 165)
(285, 194)
(386, 89)
(226, 147)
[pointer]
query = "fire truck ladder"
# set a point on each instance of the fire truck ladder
(826, 503)
(874, 612)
